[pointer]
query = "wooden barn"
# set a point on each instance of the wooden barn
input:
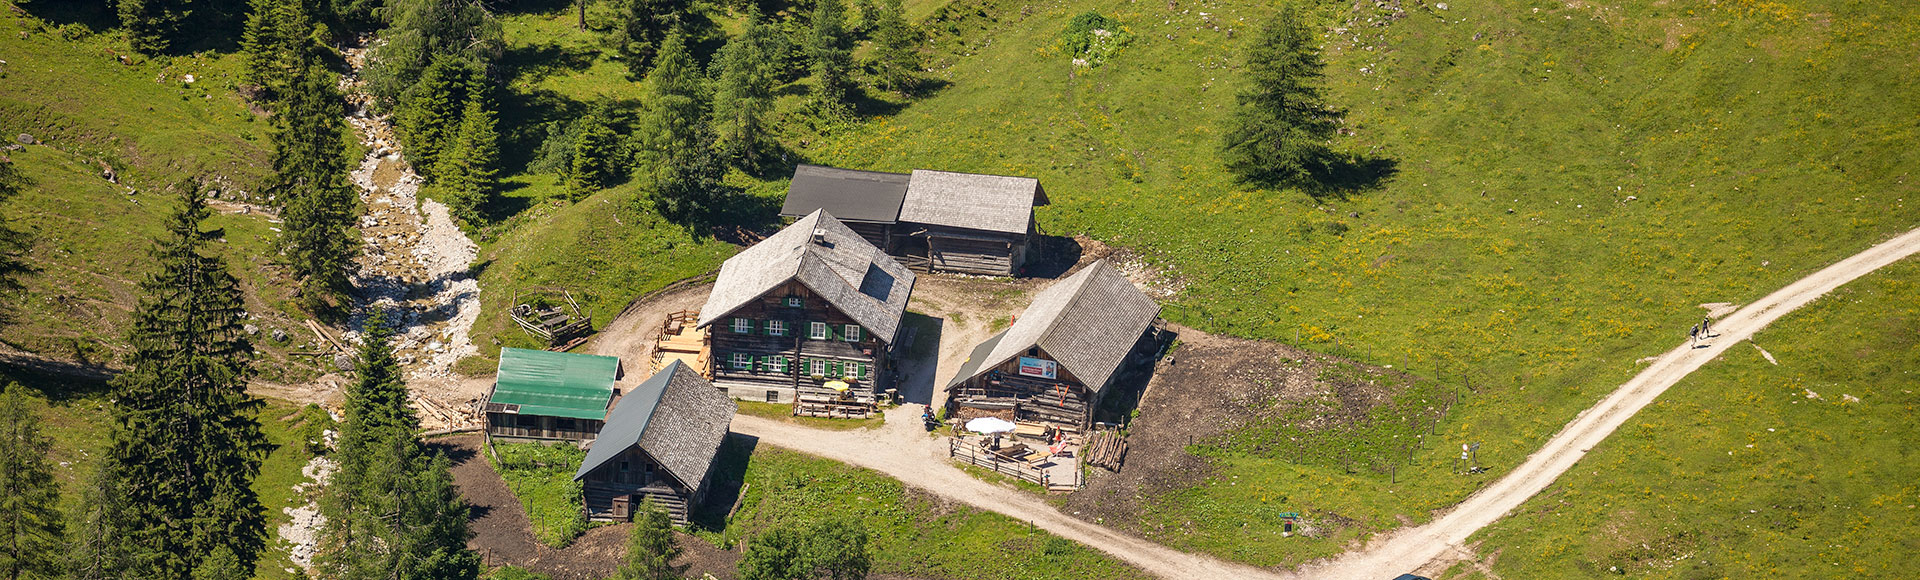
(541, 395)
(932, 220)
(658, 445)
(1056, 361)
(807, 316)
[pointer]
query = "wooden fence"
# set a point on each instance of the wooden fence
(971, 454)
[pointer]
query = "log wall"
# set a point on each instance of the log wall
(868, 353)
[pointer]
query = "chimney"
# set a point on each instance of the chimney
(820, 236)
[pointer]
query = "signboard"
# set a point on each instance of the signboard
(1039, 367)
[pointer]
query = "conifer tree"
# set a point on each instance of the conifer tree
(376, 412)
(310, 184)
(749, 70)
(677, 136)
(100, 551)
(184, 434)
(422, 32)
(896, 51)
(831, 49)
(466, 171)
(276, 41)
(429, 118)
(651, 547)
(591, 167)
(643, 30)
(151, 25)
(31, 526)
(1278, 129)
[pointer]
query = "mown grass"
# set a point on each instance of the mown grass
(780, 412)
(541, 476)
(1738, 471)
(910, 533)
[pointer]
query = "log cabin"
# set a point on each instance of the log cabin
(549, 396)
(1060, 357)
(807, 316)
(659, 446)
(939, 221)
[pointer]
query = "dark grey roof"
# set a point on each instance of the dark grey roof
(850, 273)
(675, 416)
(976, 358)
(966, 200)
(1087, 322)
(849, 194)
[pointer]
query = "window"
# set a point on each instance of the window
(819, 331)
(795, 302)
(776, 328)
(777, 364)
(852, 333)
(743, 325)
(852, 370)
(817, 367)
(773, 396)
(742, 361)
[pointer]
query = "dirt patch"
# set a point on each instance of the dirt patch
(632, 334)
(503, 535)
(1208, 386)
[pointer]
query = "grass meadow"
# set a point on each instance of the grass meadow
(541, 476)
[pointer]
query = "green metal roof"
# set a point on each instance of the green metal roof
(555, 384)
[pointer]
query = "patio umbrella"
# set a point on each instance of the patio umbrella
(990, 425)
(841, 386)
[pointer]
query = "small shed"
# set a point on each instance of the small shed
(542, 395)
(930, 220)
(1056, 362)
(658, 446)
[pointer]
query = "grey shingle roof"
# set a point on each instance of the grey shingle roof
(976, 358)
(965, 200)
(1087, 322)
(848, 194)
(675, 416)
(851, 274)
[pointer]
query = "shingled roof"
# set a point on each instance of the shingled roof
(849, 194)
(850, 273)
(966, 200)
(676, 416)
(1087, 322)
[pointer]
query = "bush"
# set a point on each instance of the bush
(1092, 37)
(311, 434)
(541, 476)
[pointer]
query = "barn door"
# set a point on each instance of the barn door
(622, 507)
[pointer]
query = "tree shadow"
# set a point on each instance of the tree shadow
(728, 482)
(524, 117)
(57, 380)
(1339, 175)
(778, 162)
(98, 16)
(531, 6)
(532, 64)
(741, 219)
(502, 206)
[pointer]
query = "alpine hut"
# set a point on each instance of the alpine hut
(807, 316)
(934, 220)
(541, 395)
(659, 445)
(1056, 361)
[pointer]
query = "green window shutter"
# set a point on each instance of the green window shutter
(864, 368)
(833, 369)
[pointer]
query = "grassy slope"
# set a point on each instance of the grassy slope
(1759, 141)
(1736, 472)
(541, 476)
(910, 533)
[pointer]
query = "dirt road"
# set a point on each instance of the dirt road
(1407, 549)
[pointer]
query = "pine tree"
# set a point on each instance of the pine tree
(276, 41)
(643, 30)
(221, 565)
(184, 434)
(422, 32)
(651, 547)
(466, 172)
(591, 166)
(152, 24)
(430, 114)
(678, 138)
(749, 70)
(896, 51)
(31, 526)
(831, 49)
(1278, 130)
(375, 413)
(310, 184)
(100, 550)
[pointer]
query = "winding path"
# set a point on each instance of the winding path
(902, 451)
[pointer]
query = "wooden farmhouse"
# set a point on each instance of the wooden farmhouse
(932, 220)
(807, 316)
(1056, 361)
(658, 445)
(550, 396)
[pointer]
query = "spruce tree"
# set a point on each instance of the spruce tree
(422, 32)
(651, 547)
(591, 166)
(430, 114)
(276, 41)
(31, 526)
(310, 184)
(151, 25)
(896, 50)
(678, 139)
(749, 70)
(100, 550)
(1279, 127)
(467, 170)
(643, 30)
(375, 413)
(831, 49)
(184, 434)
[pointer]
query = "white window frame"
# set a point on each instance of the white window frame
(777, 364)
(776, 328)
(850, 370)
(817, 367)
(794, 302)
(819, 331)
(852, 333)
(743, 326)
(742, 361)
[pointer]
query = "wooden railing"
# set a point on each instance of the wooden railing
(971, 454)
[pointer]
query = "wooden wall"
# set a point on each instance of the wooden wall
(1063, 402)
(965, 251)
(613, 494)
(540, 427)
(753, 384)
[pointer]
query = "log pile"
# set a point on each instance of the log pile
(1106, 449)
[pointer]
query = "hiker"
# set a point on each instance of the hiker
(1693, 334)
(1704, 323)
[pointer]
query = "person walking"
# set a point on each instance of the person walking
(1693, 334)
(1705, 323)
